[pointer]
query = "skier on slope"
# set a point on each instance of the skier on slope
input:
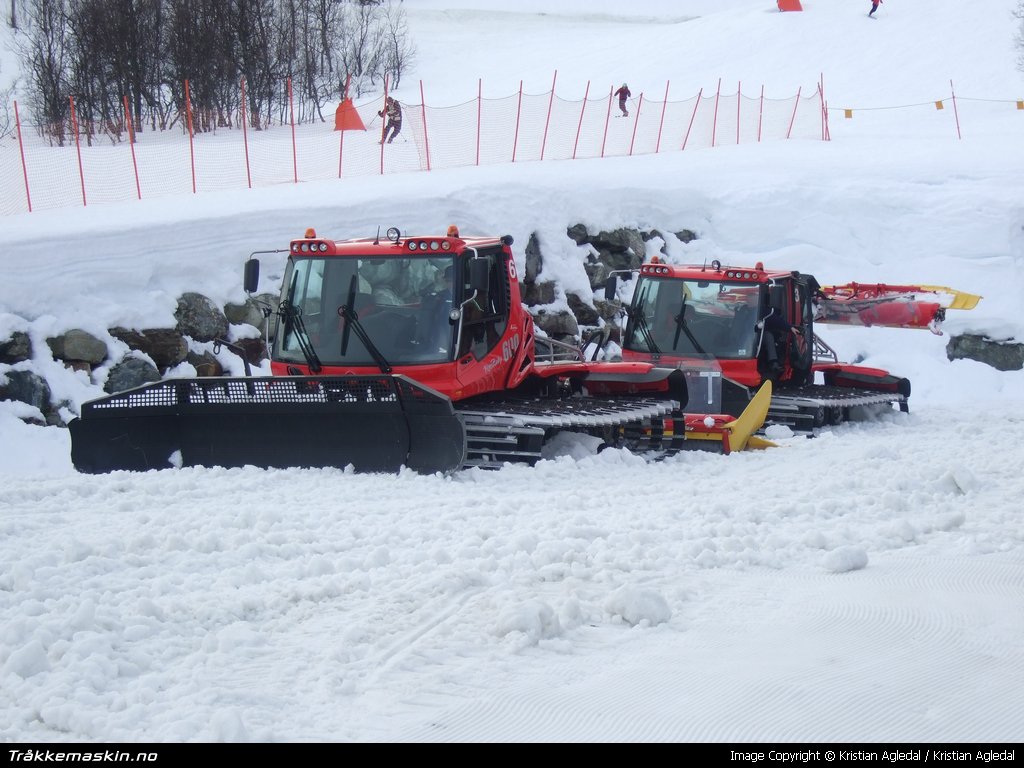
(393, 110)
(623, 94)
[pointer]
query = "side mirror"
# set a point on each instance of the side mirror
(251, 280)
(611, 287)
(479, 274)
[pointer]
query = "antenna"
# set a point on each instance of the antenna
(376, 240)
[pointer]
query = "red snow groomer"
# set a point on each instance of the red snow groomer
(404, 352)
(756, 325)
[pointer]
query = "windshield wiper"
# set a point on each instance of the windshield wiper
(293, 323)
(348, 312)
(640, 322)
(645, 333)
(681, 325)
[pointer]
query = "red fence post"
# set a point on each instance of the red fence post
(191, 141)
(78, 146)
(479, 104)
(131, 143)
(714, 119)
(291, 119)
(21, 148)
(580, 126)
(636, 122)
(519, 110)
(426, 136)
(661, 123)
(956, 114)
(686, 138)
(547, 121)
(793, 118)
(245, 138)
(607, 119)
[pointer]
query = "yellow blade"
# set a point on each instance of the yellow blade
(960, 299)
(743, 427)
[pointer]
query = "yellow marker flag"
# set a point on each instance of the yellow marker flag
(1020, 105)
(938, 105)
(847, 113)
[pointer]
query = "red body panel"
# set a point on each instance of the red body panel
(438, 377)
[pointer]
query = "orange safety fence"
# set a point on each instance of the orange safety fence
(92, 166)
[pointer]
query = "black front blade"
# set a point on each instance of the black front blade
(373, 423)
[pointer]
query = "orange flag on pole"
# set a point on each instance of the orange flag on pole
(346, 118)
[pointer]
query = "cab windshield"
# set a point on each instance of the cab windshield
(690, 318)
(403, 304)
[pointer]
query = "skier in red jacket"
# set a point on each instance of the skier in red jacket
(623, 94)
(874, 7)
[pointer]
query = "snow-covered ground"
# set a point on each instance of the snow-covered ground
(866, 585)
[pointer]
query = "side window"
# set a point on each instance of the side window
(303, 286)
(485, 318)
(777, 301)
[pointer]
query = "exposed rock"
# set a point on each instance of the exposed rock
(622, 245)
(16, 349)
(620, 241)
(618, 249)
(584, 313)
(251, 350)
(77, 344)
(560, 325)
(620, 259)
(578, 233)
(166, 346)
(1003, 355)
(26, 387)
(608, 310)
(199, 318)
(53, 417)
(538, 294)
(534, 259)
(130, 373)
(597, 273)
(205, 364)
(255, 349)
(251, 312)
(78, 365)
